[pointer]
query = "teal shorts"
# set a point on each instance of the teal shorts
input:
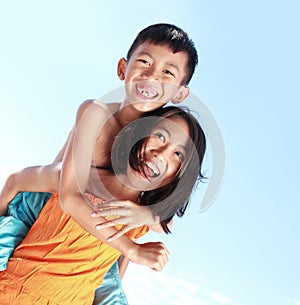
(23, 210)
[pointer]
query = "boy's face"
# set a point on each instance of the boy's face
(154, 76)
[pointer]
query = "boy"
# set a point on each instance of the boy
(158, 68)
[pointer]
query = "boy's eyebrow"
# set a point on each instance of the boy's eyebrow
(167, 63)
(145, 53)
(170, 137)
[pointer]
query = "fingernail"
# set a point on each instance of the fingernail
(98, 227)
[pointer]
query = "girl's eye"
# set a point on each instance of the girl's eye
(161, 137)
(180, 155)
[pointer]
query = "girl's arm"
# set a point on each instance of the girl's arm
(33, 179)
(123, 264)
(76, 165)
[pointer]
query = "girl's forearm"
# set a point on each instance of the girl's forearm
(8, 192)
(30, 179)
(123, 264)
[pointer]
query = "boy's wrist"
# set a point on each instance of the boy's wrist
(132, 252)
(126, 246)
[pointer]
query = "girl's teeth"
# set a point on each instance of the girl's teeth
(154, 169)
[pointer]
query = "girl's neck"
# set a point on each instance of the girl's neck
(111, 185)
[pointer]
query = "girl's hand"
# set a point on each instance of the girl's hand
(124, 212)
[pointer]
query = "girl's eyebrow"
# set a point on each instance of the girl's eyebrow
(170, 137)
(165, 130)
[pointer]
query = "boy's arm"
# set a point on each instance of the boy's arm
(33, 179)
(76, 165)
(61, 153)
(123, 261)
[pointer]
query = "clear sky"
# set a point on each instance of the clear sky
(244, 250)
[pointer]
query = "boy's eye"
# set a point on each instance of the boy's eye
(144, 61)
(168, 72)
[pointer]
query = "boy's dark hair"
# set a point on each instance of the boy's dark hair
(173, 197)
(173, 37)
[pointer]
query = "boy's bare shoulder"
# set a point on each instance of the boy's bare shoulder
(111, 107)
(91, 105)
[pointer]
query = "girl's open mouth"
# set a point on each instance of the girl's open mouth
(150, 169)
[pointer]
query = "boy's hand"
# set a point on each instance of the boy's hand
(124, 212)
(155, 255)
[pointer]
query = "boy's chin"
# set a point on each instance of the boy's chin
(147, 106)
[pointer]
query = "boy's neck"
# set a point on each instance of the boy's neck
(127, 114)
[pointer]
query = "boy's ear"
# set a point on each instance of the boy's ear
(122, 64)
(181, 94)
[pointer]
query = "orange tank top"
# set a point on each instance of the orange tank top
(58, 262)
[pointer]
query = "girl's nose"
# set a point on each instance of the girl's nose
(164, 151)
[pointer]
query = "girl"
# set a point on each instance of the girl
(61, 263)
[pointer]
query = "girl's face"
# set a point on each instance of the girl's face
(163, 155)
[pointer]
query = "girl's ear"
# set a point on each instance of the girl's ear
(122, 64)
(181, 95)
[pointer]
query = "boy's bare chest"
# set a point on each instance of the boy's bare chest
(104, 143)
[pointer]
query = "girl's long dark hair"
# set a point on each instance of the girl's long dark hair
(172, 198)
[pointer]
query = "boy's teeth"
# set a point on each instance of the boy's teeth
(147, 92)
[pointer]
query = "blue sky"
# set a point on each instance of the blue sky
(244, 249)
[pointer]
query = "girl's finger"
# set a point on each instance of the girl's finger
(106, 224)
(121, 232)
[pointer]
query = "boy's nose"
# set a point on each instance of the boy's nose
(151, 74)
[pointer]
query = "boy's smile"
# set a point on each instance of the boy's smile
(146, 92)
(153, 76)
